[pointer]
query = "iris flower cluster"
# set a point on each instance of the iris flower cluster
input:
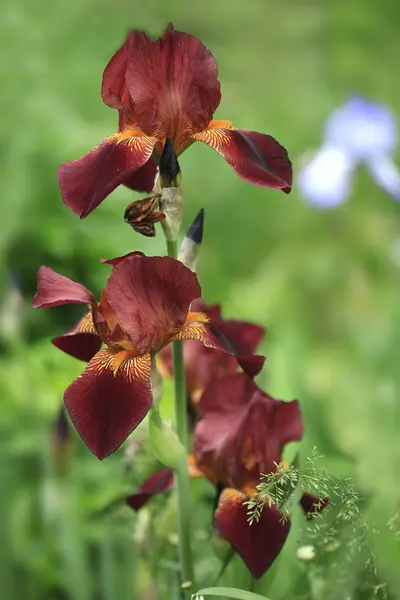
(166, 92)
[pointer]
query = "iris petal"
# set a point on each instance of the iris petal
(109, 399)
(255, 157)
(87, 181)
(198, 327)
(55, 289)
(183, 91)
(150, 297)
(312, 505)
(81, 341)
(242, 431)
(159, 482)
(258, 544)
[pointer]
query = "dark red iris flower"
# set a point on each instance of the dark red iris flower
(241, 433)
(165, 89)
(144, 307)
(204, 366)
(258, 544)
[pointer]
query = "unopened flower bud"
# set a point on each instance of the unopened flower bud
(165, 443)
(168, 187)
(171, 204)
(170, 172)
(189, 250)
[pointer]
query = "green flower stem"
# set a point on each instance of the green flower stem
(172, 248)
(181, 475)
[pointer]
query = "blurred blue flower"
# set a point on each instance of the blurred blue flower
(362, 128)
(357, 132)
(326, 180)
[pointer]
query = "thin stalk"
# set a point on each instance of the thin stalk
(181, 476)
(172, 248)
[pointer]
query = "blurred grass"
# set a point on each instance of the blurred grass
(325, 284)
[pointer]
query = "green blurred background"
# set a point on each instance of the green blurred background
(324, 284)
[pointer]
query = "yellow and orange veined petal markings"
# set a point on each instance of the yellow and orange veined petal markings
(86, 324)
(256, 157)
(198, 326)
(121, 361)
(193, 327)
(216, 134)
(135, 138)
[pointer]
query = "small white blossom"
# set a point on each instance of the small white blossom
(306, 553)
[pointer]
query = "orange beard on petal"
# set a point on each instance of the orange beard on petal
(250, 489)
(220, 125)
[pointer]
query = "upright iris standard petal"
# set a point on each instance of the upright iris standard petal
(114, 91)
(159, 482)
(198, 327)
(172, 83)
(55, 289)
(243, 431)
(151, 297)
(109, 399)
(81, 341)
(255, 157)
(87, 181)
(258, 544)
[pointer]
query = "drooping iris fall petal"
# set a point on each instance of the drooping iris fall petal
(159, 482)
(55, 289)
(109, 399)
(172, 83)
(87, 181)
(242, 431)
(258, 544)
(81, 341)
(150, 297)
(204, 365)
(243, 336)
(256, 157)
(198, 327)
(143, 179)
